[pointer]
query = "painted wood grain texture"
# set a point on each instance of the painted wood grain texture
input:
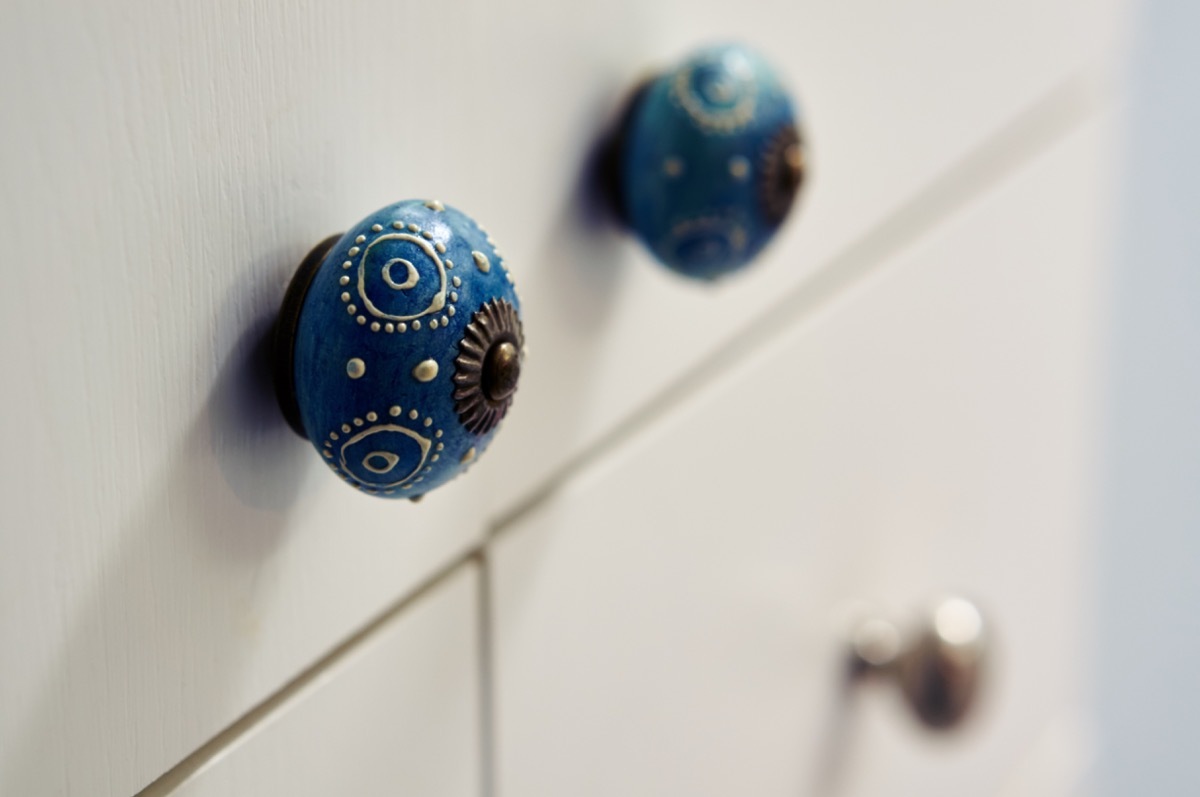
(172, 554)
(671, 622)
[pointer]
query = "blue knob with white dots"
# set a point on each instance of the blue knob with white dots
(708, 161)
(399, 347)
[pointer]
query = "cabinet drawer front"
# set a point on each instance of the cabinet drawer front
(397, 715)
(176, 554)
(671, 623)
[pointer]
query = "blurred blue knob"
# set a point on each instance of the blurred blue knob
(399, 347)
(709, 161)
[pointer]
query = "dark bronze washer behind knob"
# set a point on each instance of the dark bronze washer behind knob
(488, 366)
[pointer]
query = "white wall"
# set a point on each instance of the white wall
(1148, 622)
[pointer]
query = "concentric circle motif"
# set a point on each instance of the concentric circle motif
(390, 284)
(718, 92)
(494, 324)
(395, 276)
(706, 240)
(385, 455)
(380, 454)
(781, 174)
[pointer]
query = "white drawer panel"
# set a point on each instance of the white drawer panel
(669, 623)
(400, 715)
(175, 555)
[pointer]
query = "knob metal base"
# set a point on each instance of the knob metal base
(285, 333)
(611, 154)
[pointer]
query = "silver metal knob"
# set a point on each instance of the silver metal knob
(939, 667)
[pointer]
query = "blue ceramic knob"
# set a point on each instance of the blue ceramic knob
(399, 347)
(708, 161)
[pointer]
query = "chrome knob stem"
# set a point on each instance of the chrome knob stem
(939, 667)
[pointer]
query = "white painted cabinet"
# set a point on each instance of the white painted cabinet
(396, 714)
(673, 620)
(172, 556)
